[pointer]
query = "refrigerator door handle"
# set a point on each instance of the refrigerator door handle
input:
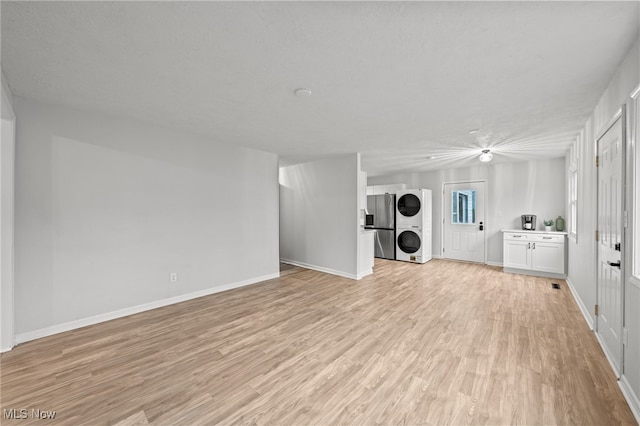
(378, 243)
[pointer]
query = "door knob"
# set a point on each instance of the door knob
(617, 264)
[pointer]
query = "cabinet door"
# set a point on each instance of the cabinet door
(547, 257)
(516, 254)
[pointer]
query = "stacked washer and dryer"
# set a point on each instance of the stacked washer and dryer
(413, 225)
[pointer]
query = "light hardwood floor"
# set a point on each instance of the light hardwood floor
(440, 343)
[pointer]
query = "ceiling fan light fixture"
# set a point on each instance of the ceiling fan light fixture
(486, 156)
(303, 92)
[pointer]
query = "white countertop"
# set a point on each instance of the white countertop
(524, 231)
(367, 231)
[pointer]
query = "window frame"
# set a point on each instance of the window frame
(574, 184)
(463, 207)
(634, 127)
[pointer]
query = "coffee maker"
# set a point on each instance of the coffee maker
(528, 222)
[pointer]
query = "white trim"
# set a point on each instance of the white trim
(363, 274)
(463, 181)
(491, 263)
(635, 94)
(72, 325)
(630, 396)
(608, 126)
(607, 355)
(580, 303)
(436, 256)
(632, 137)
(320, 269)
(573, 201)
(633, 181)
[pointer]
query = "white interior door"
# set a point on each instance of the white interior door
(610, 292)
(464, 223)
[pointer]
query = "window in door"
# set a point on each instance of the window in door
(463, 207)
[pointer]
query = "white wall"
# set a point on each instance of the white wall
(7, 147)
(513, 189)
(582, 252)
(319, 216)
(107, 208)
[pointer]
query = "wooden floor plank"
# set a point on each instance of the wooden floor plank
(439, 343)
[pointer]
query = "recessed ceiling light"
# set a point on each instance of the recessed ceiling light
(486, 156)
(473, 131)
(303, 92)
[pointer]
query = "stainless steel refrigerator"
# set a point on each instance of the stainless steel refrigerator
(383, 210)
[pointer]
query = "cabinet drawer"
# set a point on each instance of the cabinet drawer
(547, 238)
(516, 237)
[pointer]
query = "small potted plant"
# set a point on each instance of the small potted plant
(548, 223)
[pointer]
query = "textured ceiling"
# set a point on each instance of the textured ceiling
(395, 81)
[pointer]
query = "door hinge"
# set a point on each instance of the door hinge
(596, 310)
(625, 336)
(597, 161)
(597, 235)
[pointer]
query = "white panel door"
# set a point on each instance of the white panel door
(464, 223)
(609, 319)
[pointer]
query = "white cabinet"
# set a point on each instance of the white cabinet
(385, 189)
(535, 253)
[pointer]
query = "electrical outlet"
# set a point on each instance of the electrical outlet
(173, 277)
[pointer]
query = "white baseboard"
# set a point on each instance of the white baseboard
(535, 273)
(320, 269)
(631, 397)
(365, 274)
(436, 256)
(7, 349)
(499, 264)
(72, 325)
(580, 303)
